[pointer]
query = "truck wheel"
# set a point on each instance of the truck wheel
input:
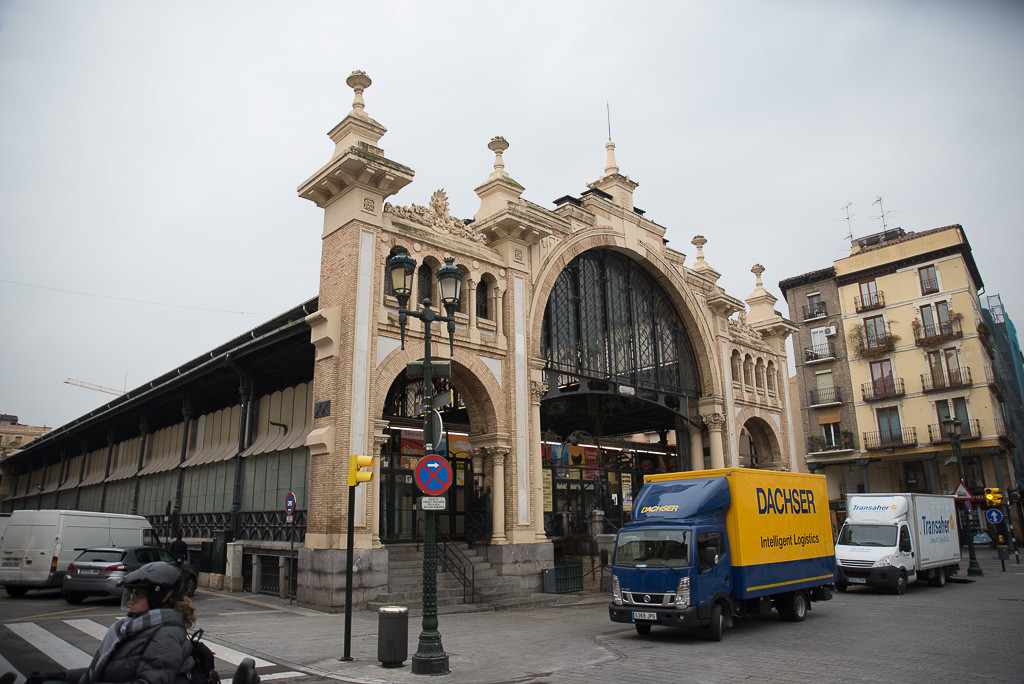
(717, 625)
(797, 609)
(642, 630)
(901, 583)
(841, 587)
(938, 578)
(15, 592)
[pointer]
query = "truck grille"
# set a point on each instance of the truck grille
(856, 563)
(638, 599)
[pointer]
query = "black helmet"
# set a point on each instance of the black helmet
(161, 581)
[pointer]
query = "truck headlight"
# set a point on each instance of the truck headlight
(883, 561)
(616, 591)
(683, 593)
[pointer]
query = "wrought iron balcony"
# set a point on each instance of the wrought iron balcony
(882, 389)
(877, 343)
(971, 429)
(890, 439)
(825, 395)
(816, 310)
(820, 352)
(993, 382)
(876, 300)
(929, 286)
(936, 333)
(936, 382)
(820, 445)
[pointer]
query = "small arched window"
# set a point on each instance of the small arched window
(425, 283)
(771, 376)
(748, 371)
(736, 367)
(759, 374)
(482, 305)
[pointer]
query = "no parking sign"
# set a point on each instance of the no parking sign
(433, 475)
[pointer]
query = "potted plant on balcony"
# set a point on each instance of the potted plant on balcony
(817, 442)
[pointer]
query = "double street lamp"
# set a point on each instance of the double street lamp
(954, 428)
(430, 657)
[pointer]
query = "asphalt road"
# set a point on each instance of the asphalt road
(970, 630)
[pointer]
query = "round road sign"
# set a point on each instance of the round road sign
(289, 503)
(994, 515)
(433, 475)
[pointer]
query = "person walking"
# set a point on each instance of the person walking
(151, 644)
(179, 549)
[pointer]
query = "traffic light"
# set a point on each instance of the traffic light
(993, 496)
(355, 475)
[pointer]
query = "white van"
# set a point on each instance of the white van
(37, 546)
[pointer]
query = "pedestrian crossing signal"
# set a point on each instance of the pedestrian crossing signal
(993, 496)
(355, 475)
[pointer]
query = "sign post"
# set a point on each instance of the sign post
(289, 519)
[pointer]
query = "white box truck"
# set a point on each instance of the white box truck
(890, 540)
(37, 546)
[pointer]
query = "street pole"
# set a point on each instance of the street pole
(973, 569)
(430, 657)
(348, 572)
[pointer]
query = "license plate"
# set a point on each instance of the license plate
(637, 615)
(89, 571)
(856, 580)
(9, 564)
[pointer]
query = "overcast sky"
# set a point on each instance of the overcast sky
(150, 152)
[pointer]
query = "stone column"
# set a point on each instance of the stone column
(379, 440)
(499, 309)
(471, 284)
(715, 423)
(696, 448)
(498, 493)
(537, 391)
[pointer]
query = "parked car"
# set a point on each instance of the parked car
(99, 571)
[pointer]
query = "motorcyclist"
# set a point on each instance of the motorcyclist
(149, 645)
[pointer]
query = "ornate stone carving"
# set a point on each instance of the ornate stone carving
(498, 455)
(437, 217)
(714, 421)
(538, 390)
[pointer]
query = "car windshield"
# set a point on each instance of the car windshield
(868, 535)
(100, 556)
(653, 548)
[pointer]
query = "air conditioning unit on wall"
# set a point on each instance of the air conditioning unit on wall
(830, 331)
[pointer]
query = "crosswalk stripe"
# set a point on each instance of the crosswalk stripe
(90, 627)
(282, 675)
(230, 655)
(6, 666)
(63, 653)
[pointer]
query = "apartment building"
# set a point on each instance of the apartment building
(903, 353)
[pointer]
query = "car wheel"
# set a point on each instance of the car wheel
(15, 592)
(643, 630)
(190, 585)
(841, 587)
(716, 628)
(797, 609)
(901, 583)
(73, 597)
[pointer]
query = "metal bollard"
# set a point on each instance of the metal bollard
(392, 635)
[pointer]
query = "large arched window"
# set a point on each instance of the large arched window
(608, 319)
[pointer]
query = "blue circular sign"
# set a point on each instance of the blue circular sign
(994, 515)
(289, 503)
(433, 475)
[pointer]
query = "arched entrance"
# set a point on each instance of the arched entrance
(758, 445)
(621, 374)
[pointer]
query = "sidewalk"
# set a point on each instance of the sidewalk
(569, 642)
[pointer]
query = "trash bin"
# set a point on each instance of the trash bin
(550, 585)
(392, 635)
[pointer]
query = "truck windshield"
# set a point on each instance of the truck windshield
(868, 535)
(653, 548)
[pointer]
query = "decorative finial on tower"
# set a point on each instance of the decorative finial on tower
(757, 270)
(699, 241)
(358, 81)
(498, 145)
(610, 166)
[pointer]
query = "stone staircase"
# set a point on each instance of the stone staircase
(492, 591)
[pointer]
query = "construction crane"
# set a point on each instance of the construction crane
(89, 385)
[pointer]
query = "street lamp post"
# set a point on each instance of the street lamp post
(430, 657)
(953, 429)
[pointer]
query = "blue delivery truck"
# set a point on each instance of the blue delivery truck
(708, 546)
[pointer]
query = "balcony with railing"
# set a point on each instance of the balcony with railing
(886, 388)
(993, 382)
(875, 300)
(953, 379)
(816, 310)
(890, 439)
(936, 333)
(877, 342)
(824, 396)
(929, 286)
(820, 352)
(971, 429)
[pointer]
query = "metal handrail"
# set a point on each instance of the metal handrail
(452, 559)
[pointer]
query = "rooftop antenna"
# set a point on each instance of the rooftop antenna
(849, 223)
(608, 108)
(882, 212)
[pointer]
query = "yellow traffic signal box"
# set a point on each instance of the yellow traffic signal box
(355, 475)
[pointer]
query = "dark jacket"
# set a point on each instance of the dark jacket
(156, 655)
